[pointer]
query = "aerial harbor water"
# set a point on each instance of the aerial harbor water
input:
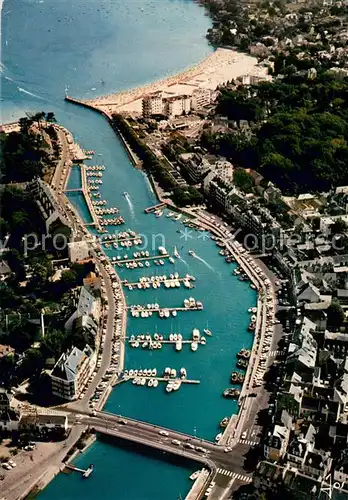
(109, 46)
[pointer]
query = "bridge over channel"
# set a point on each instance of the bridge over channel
(211, 455)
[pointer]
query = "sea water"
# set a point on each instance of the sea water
(49, 48)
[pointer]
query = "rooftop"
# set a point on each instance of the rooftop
(68, 364)
(86, 302)
(316, 460)
(6, 350)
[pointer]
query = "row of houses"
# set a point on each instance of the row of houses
(310, 429)
(30, 420)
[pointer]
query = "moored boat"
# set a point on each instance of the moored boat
(231, 393)
(224, 422)
(194, 346)
(194, 475)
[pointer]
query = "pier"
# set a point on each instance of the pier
(87, 198)
(149, 210)
(159, 379)
(74, 190)
(118, 239)
(168, 341)
(170, 309)
(85, 472)
(138, 259)
(84, 190)
(158, 280)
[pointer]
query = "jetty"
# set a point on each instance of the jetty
(85, 472)
(138, 259)
(158, 279)
(74, 190)
(159, 206)
(170, 309)
(119, 239)
(159, 379)
(84, 190)
(87, 197)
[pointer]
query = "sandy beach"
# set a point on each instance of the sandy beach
(221, 66)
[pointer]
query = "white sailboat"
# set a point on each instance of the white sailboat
(176, 253)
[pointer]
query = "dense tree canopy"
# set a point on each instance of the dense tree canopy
(298, 136)
(335, 315)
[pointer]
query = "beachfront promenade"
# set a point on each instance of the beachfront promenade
(220, 67)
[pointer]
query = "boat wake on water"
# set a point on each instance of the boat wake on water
(20, 89)
(184, 261)
(130, 204)
(204, 262)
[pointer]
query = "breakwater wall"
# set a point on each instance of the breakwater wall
(135, 161)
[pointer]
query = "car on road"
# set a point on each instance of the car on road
(244, 435)
(228, 449)
(175, 441)
(210, 487)
(163, 433)
(189, 445)
(122, 421)
(29, 448)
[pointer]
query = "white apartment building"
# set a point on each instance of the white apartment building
(71, 373)
(176, 105)
(200, 98)
(152, 104)
(87, 305)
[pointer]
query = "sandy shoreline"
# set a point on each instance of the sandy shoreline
(216, 69)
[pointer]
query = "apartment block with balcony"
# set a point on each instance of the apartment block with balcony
(152, 104)
(176, 105)
(200, 98)
(71, 373)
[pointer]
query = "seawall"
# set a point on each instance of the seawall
(133, 158)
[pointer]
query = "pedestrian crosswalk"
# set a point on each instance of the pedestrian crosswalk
(274, 354)
(234, 475)
(246, 441)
